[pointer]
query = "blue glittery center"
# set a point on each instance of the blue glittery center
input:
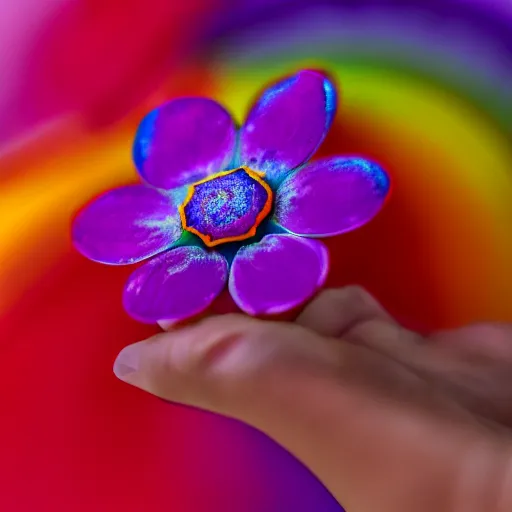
(226, 207)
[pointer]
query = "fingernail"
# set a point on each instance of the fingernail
(127, 361)
(166, 324)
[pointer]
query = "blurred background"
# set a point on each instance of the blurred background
(426, 90)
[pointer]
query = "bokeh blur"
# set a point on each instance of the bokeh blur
(426, 90)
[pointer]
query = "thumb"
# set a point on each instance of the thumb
(314, 395)
(231, 364)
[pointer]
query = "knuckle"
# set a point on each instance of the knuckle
(354, 297)
(357, 294)
(331, 294)
(218, 340)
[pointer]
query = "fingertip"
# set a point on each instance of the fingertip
(337, 310)
(127, 362)
(166, 325)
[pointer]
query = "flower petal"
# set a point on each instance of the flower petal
(288, 123)
(331, 196)
(175, 285)
(183, 141)
(126, 225)
(277, 274)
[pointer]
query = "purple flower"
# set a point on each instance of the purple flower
(226, 205)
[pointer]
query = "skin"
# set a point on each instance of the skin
(390, 421)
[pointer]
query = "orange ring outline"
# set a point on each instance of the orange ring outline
(255, 175)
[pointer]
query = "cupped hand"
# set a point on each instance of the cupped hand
(390, 421)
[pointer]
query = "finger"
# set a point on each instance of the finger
(473, 364)
(336, 311)
(478, 340)
(353, 315)
(319, 399)
(188, 360)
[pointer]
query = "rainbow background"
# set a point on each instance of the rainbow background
(426, 90)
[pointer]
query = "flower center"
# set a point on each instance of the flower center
(226, 207)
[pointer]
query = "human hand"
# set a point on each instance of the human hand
(390, 421)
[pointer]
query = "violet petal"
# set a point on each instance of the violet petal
(277, 274)
(288, 123)
(183, 141)
(126, 225)
(331, 196)
(175, 285)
